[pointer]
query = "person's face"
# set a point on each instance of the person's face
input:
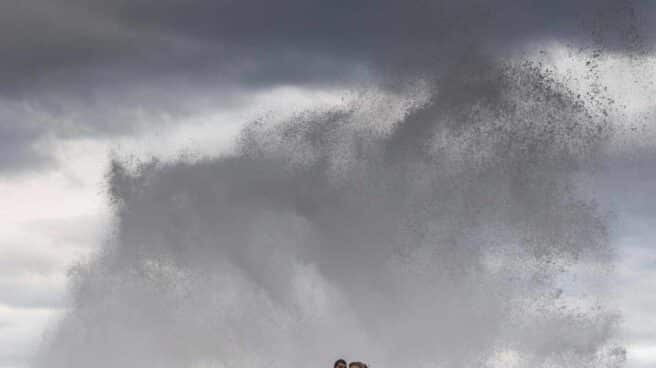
(340, 365)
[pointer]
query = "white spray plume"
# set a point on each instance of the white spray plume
(438, 240)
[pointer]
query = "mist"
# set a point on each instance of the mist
(440, 230)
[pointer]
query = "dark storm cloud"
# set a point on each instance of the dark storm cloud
(367, 28)
(289, 40)
(72, 49)
(41, 38)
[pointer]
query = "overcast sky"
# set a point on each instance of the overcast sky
(85, 82)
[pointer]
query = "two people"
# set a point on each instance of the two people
(341, 363)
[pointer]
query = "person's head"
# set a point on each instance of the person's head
(340, 363)
(357, 365)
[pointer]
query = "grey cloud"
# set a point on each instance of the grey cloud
(17, 147)
(16, 294)
(30, 124)
(95, 64)
(622, 177)
(15, 263)
(298, 41)
(12, 360)
(43, 38)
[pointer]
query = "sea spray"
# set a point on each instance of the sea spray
(438, 239)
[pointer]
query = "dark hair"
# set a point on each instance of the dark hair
(339, 361)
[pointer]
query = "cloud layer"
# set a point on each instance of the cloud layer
(91, 67)
(291, 40)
